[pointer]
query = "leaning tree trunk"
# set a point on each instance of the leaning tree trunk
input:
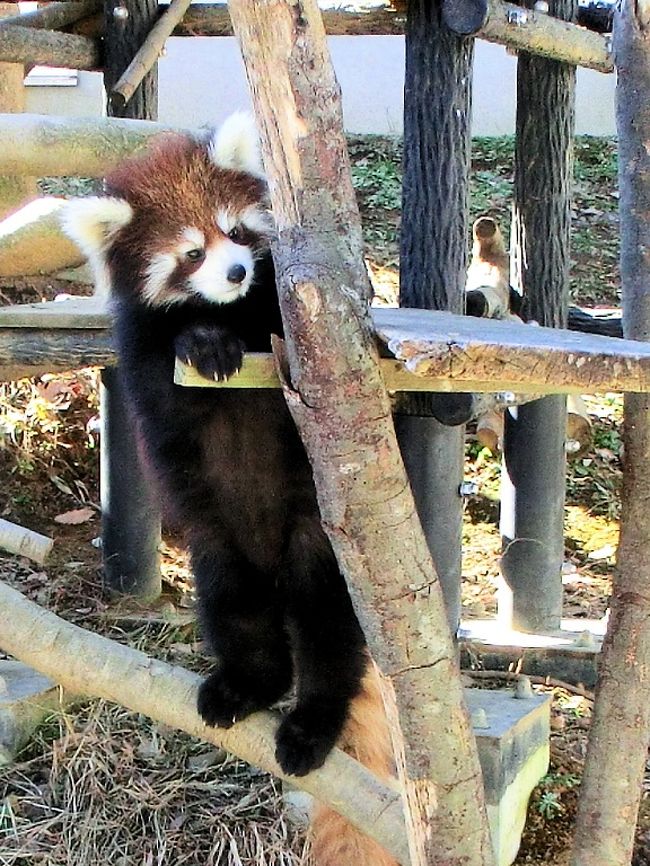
(532, 523)
(433, 262)
(618, 743)
(130, 544)
(337, 397)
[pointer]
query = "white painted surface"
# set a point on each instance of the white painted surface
(202, 80)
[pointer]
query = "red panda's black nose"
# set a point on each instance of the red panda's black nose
(236, 274)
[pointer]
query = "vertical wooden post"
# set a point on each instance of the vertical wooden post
(13, 190)
(532, 516)
(437, 103)
(130, 513)
(618, 742)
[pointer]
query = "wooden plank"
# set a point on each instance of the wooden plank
(511, 356)
(33, 351)
(435, 351)
(82, 312)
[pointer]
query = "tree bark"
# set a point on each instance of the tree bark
(341, 408)
(618, 742)
(85, 663)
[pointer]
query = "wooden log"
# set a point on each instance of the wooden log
(465, 350)
(147, 54)
(31, 352)
(32, 241)
(87, 663)
(537, 33)
(24, 542)
(54, 16)
(48, 48)
(130, 508)
(39, 145)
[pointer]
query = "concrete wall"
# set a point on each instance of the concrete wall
(202, 80)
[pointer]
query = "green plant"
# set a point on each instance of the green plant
(549, 805)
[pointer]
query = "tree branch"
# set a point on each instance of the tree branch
(86, 663)
(40, 145)
(148, 54)
(54, 16)
(32, 241)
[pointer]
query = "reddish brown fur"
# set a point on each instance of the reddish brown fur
(173, 186)
(366, 737)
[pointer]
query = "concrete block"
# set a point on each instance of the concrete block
(512, 736)
(26, 698)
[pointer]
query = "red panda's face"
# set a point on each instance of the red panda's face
(182, 221)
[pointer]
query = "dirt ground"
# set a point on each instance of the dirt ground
(101, 785)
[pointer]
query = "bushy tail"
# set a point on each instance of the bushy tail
(366, 737)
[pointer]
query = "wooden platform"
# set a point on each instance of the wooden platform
(430, 351)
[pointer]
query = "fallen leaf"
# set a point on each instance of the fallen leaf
(77, 515)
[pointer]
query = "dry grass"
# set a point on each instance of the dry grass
(102, 785)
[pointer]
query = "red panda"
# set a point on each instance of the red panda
(182, 238)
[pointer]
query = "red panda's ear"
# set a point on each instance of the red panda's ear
(235, 145)
(91, 222)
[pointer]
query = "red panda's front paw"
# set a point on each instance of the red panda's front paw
(305, 738)
(215, 352)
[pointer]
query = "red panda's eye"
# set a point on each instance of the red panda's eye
(236, 234)
(195, 255)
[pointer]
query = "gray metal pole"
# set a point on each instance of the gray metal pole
(532, 512)
(130, 513)
(533, 485)
(433, 263)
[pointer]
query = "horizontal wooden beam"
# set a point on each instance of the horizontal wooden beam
(213, 20)
(537, 33)
(31, 46)
(45, 145)
(34, 351)
(507, 24)
(54, 16)
(430, 351)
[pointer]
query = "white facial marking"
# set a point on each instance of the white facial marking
(226, 221)
(160, 269)
(211, 279)
(191, 239)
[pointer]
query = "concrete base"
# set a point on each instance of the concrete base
(26, 698)
(570, 654)
(512, 737)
